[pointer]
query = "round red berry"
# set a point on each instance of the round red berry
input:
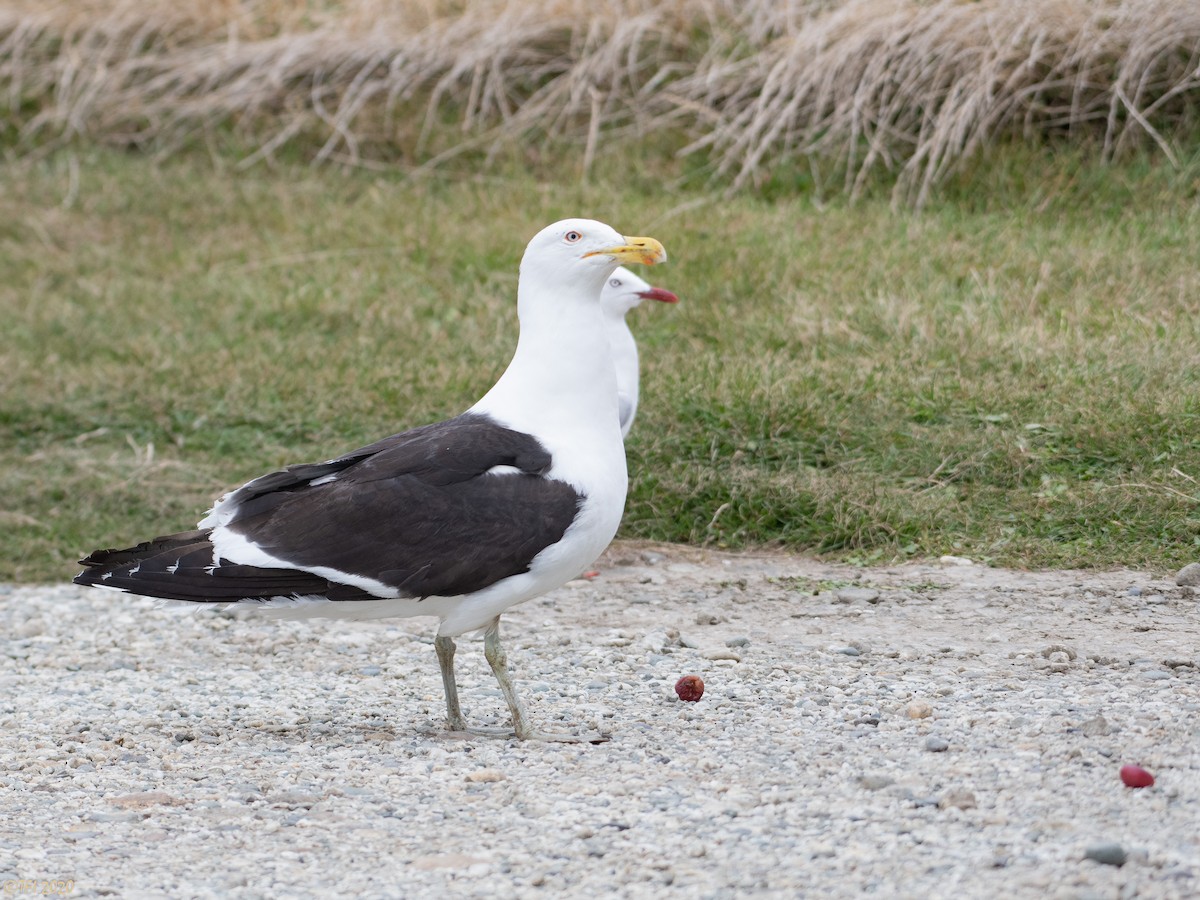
(1136, 777)
(689, 688)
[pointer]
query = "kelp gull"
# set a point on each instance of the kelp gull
(623, 292)
(460, 519)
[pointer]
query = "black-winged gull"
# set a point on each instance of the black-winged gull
(623, 292)
(460, 519)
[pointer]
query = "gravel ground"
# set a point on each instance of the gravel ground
(934, 730)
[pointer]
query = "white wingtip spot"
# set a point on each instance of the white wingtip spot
(503, 470)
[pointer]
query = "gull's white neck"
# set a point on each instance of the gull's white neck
(560, 385)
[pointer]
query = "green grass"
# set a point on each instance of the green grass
(1010, 374)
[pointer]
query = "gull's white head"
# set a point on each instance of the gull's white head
(583, 252)
(624, 291)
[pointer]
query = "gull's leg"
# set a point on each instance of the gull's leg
(498, 660)
(454, 718)
(494, 653)
(445, 654)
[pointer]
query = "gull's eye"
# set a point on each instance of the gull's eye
(614, 282)
(572, 237)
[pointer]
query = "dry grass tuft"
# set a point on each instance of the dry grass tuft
(919, 86)
(912, 86)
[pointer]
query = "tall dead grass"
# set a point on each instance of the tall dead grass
(913, 86)
(919, 86)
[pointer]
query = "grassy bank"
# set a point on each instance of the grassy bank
(1009, 374)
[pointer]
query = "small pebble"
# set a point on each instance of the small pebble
(1058, 658)
(1109, 853)
(143, 800)
(656, 641)
(721, 653)
(876, 782)
(738, 642)
(957, 798)
(848, 651)
(111, 817)
(1059, 652)
(918, 709)
(857, 595)
(936, 744)
(485, 776)
(1189, 575)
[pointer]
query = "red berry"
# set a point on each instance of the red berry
(1136, 777)
(689, 688)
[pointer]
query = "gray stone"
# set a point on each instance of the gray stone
(1188, 576)
(935, 744)
(918, 709)
(957, 798)
(721, 653)
(857, 595)
(656, 641)
(110, 817)
(1109, 853)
